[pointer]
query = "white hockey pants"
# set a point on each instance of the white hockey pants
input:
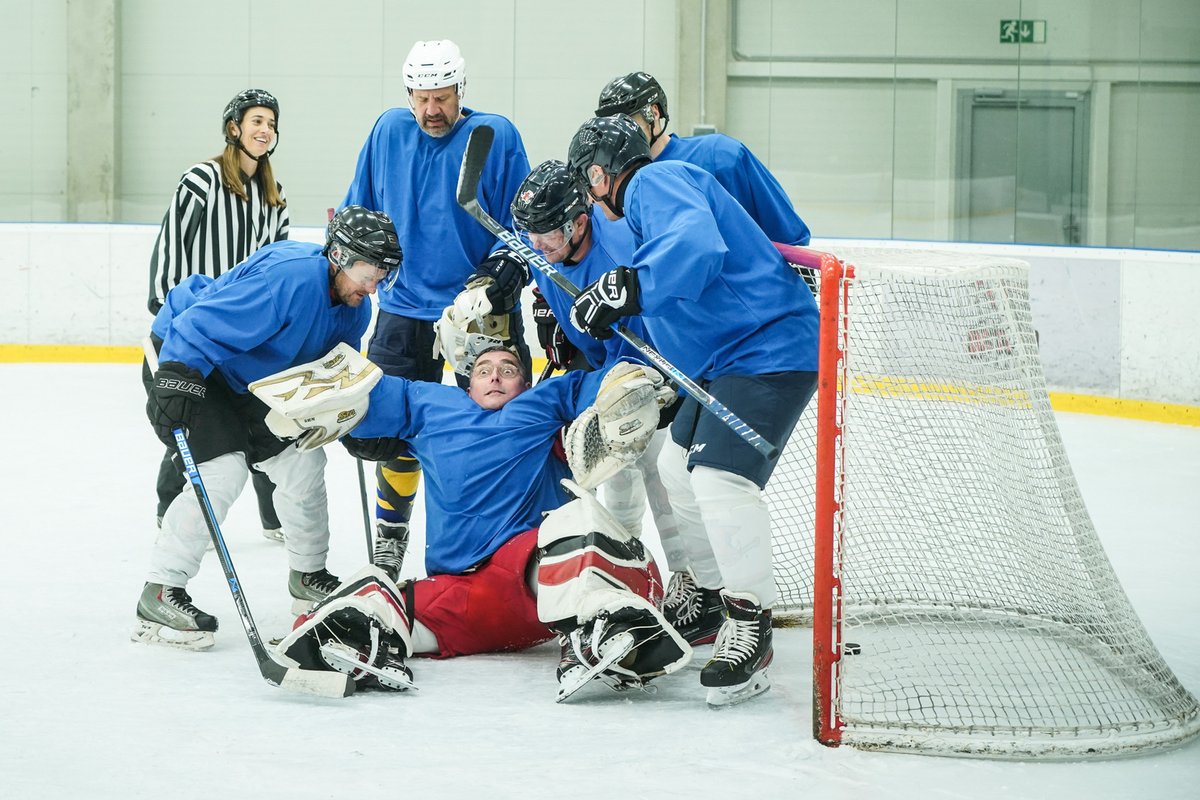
(300, 500)
(724, 525)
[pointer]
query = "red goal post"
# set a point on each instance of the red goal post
(927, 521)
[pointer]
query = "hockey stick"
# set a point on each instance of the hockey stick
(478, 146)
(547, 372)
(303, 681)
(362, 481)
(362, 489)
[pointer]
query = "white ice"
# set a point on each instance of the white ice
(85, 713)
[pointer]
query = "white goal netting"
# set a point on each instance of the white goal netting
(979, 612)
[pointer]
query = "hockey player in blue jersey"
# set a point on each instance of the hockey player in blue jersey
(408, 168)
(496, 503)
(721, 304)
(288, 303)
(640, 96)
(554, 214)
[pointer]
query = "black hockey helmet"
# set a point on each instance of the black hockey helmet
(359, 234)
(614, 143)
(242, 101)
(632, 94)
(547, 199)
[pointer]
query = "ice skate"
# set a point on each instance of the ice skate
(166, 616)
(589, 651)
(273, 534)
(737, 670)
(391, 542)
(392, 674)
(309, 588)
(695, 612)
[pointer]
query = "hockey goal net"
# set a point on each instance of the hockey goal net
(962, 601)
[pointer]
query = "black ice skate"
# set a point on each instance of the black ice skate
(695, 612)
(737, 670)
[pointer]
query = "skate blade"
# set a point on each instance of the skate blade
(348, 664)
(273, 534)
(722, 696)
(615, 649)
(153, 633)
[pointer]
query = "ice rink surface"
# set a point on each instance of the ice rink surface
(85, 713)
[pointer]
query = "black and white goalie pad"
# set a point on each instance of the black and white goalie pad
(595, 580)
(361, 629)
(320, 401)
(613, 432)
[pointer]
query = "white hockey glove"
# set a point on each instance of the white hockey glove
(613, 432)
(321, 401)
(461, 335)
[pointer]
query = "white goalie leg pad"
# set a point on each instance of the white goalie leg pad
(598, 581)
(364, 621)
(320, 401)
(586, 558)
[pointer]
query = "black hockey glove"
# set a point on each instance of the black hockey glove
(559, 350)
(175, 392)
(509, 274)
(613, 295)
(383, 449)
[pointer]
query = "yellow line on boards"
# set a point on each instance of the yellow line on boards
(1172, 413)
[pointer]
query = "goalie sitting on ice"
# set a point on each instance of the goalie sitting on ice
(494, 466)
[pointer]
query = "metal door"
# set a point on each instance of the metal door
(1022, 166)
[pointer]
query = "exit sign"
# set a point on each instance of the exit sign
(1022, 31)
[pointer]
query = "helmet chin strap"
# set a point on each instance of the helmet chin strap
(570, 257)
(238, 144)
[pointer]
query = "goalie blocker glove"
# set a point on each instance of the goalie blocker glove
(559, 350)
(175, 393)
(602, 304)
(509, 273)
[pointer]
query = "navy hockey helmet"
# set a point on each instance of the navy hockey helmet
(547, 199)
(359, 234)
(242, 101)
(632, 94)
(613, 143)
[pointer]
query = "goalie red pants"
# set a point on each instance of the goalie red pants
(487, 610)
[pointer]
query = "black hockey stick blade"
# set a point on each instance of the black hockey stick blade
(478, 146)
(293, 679)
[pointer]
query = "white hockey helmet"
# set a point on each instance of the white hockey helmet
(435, 65)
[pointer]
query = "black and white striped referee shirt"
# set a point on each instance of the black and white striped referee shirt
(208, 229)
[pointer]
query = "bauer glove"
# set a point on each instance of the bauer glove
(509, 273)
(614, 295)
(559, 350)
(175, 393)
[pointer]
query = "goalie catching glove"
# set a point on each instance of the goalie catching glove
(613, 432)
(320, 401)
